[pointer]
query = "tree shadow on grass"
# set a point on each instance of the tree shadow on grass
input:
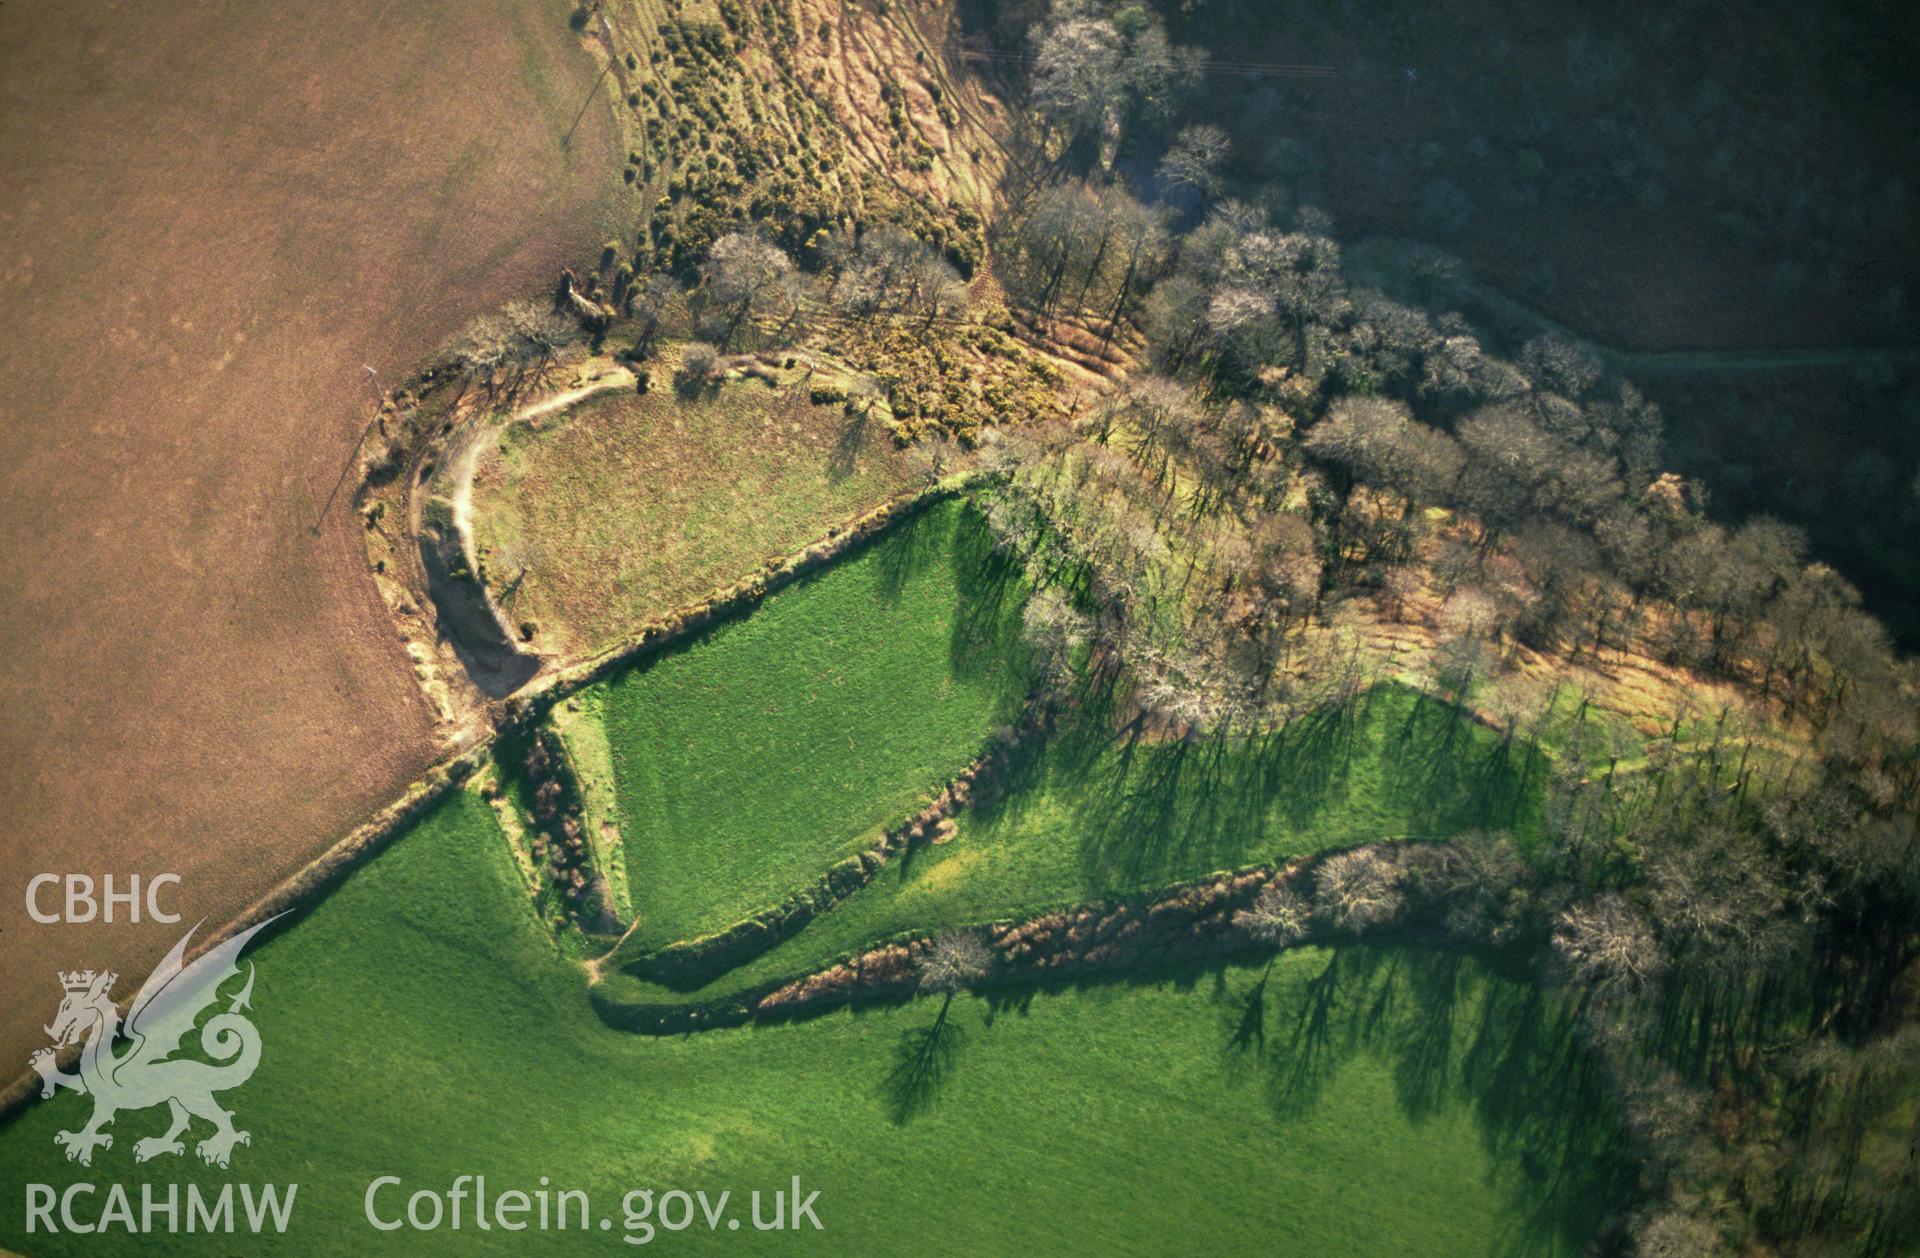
(848, 445)
(1454, 772)
(1026, 774)
(986, 639)
(1143, 811)
(1244, 1019)
(1305, 764)
(1305, 1052)
(923, 1063)
(1154, 812)
(908, 548)
(1454, 1034)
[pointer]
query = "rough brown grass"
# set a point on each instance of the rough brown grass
(638, 504)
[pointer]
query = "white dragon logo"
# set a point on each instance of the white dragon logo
(169, 1003)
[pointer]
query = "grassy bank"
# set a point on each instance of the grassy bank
(418, 1023)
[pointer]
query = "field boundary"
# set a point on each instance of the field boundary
(1182, 923)
(300, 891)
(775, 575)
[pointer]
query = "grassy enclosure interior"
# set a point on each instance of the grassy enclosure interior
(629, 505)
(1356, 1102)
(750, 759)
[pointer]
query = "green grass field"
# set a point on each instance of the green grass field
(1087, 816)
(630, 505)
(748, 761)
(419, 1023)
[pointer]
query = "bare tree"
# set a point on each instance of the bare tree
(893, 272)
(1060, 238)
(1606, 944)
(1358, 889)
(1077, 78)
(1557, 365)
(1678, 1230)
(647, 302)
(1054, 632)
(955, 961)
(1515, 470)
(700, 368)
(1717, 901)
(1090, 72)
(1481, 873)
(1146, 408)
(1279, 915)
(1375, 440)
(497, 349)
(743, 275)
(1240, 322)
(1286, 560)
(1175, 314)
(1194, 158)
(1139, 245)
(511, 561)
(935, 455)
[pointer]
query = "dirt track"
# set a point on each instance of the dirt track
(212, 217)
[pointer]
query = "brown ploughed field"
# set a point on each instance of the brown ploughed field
(213, 215)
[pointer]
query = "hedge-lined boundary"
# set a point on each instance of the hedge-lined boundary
(1182, 924)
(692, 963)
(564, 856)
(742, 596)
(307, 887)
